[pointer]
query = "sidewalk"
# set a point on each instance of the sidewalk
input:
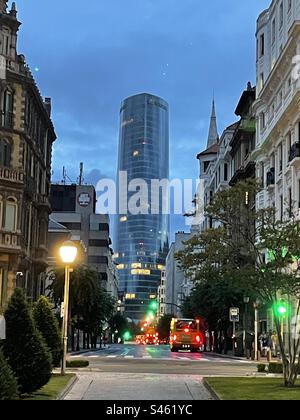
(262, 359)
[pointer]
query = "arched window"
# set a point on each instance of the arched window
(5, 153)
(10, 222)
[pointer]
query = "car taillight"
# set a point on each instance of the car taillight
(186, 330)
(198, 338)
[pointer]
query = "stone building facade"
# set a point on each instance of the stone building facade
(26, 138)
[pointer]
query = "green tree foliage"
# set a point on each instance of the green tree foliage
(24, 347)
(258, 252)
(47, 325)
(90, 305)
(8, 383)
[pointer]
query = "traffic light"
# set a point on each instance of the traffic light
(127, 336)
(281, 308)
(154, 305)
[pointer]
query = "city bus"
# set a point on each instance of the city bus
(186, 334)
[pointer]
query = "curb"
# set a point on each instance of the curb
(67, 388)
(212, 392)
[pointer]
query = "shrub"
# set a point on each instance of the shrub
(47, 325)
(275, 368)
(24, 347)
(261, 367)
(77, 363)
(8, 383)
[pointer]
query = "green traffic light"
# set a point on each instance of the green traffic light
(127, 336)
(154, 305)
(281, 308)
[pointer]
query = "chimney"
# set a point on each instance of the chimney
(47, 104)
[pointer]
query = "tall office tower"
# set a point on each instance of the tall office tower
(142, 239)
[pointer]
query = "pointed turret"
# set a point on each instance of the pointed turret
(13, 12)
(213, 136)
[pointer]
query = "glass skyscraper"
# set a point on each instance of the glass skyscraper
(142, 239)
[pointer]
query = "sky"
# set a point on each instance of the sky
(90, 55)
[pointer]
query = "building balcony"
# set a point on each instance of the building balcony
(271, 177)
(11, 175)
(294, 156)
(248, 124)
(10, 242)
(41, 201)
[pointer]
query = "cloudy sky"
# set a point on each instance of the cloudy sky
(89, 55)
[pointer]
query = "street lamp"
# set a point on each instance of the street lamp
(246, 301)
(256, 306)
(68, 254)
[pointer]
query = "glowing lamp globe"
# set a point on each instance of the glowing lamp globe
(68, 252)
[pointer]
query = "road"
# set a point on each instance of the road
(132, 372)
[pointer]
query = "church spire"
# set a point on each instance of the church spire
(213, 136)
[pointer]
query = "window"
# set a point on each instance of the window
(140, 272)
(280, 155)
(5, 153)
(98, 243)
(262, 45)
(136, 265)
(262, 121)
(273, 30)
(261, 81)
(7, 109)
(290, 203)
(281, 15)
(10, 223)
(281, 208)
(262, 172)
(289, 5)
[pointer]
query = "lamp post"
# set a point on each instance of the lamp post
(256, 304)
(246, 301)
(68, 253)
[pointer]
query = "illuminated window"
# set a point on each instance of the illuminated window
(136, 153)
(161, 267)
(136, 265)
(129, 296)
(140, 272)
(123, 219)
(152, 296)
(120, 267)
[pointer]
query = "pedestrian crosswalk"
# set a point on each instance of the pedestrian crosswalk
(164, 357)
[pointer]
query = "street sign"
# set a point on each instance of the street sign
(234, 314)
(2, 327)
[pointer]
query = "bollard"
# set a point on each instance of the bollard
(269, 356)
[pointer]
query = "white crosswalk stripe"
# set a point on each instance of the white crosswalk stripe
(129, 357)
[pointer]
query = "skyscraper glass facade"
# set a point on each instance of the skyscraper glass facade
(142, 239)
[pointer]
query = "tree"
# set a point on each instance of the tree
(24, 347)
(259, 253)
(8, 383)
(118, 323)
(90, 305)
(47, 325)
(164, 327)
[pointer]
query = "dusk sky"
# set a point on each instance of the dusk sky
(89, 55)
